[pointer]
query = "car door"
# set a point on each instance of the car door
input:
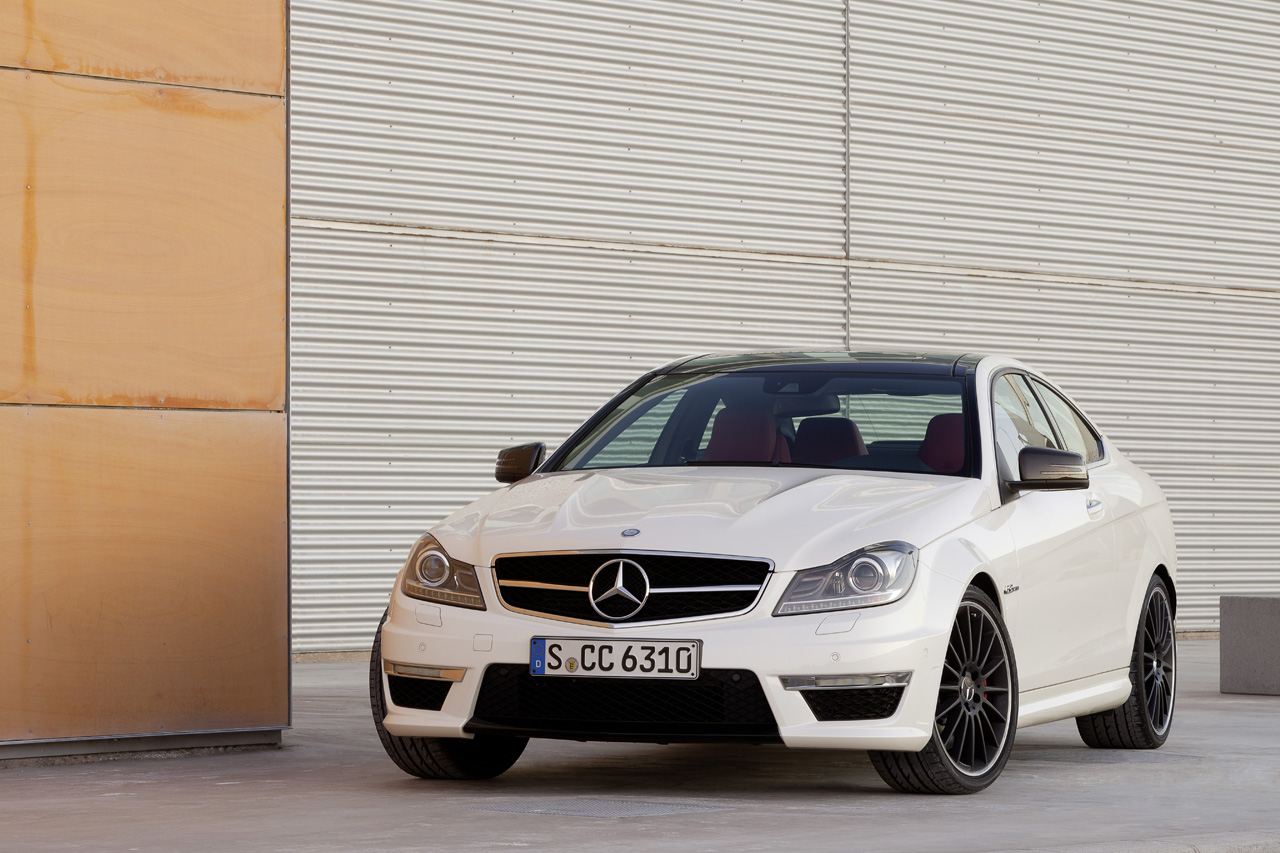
(1110, 500)
(1065, 552)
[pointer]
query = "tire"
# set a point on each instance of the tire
(482, 757)
(1144, 720)
(977, 711)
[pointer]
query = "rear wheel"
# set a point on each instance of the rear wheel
(976, 713)
(482, 757)
(1144, 720)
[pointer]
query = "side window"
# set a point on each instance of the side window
(635, 443)
(706, 433)
(1076, 434)
(1019, 422)
(885, 417)
(1039, 420)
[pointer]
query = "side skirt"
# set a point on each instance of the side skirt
(1074, 698)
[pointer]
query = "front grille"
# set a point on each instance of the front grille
(858, 703)
(719, 704)
(421, 693)
(681, 586)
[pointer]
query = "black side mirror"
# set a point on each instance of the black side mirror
(1049, 469)
(516, 463)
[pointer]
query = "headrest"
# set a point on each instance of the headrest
(943, 445)
(821, 441)
(742, 434)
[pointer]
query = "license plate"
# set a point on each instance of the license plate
(615, 658)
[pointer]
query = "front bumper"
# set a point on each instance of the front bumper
(907, 636)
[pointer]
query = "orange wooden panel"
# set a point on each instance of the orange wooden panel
(143, 579)
(220, 44)
(142, 244)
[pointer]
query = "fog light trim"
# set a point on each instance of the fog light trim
(845, 682)
(435, 673)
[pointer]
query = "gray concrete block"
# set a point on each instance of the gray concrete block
(1250, 649)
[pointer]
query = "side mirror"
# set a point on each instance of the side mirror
(516, 463)
(1048, 469)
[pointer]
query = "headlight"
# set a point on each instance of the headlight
(875, 575)
(432, 575)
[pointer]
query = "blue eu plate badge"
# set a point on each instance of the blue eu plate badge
(538, 656)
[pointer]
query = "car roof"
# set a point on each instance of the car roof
(938, 364)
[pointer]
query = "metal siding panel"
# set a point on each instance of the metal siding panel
(142, 244)
(415, 359)
(181, 625)
(1094, 138)
(236, 45)
(1183, 383)
(709, 123)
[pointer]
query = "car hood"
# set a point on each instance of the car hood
(796, 517)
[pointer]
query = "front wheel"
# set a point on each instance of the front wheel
(977, 711)
(482, 757)
(1144, 720)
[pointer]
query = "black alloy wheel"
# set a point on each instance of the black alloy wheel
(1158, 661)
(976, 713)
(973, 699)
(1144, 720)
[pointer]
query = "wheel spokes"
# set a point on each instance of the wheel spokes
(992, 709)
(972, 717)
(1159, 656)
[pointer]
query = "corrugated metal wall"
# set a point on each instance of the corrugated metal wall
(704, 123)
(1094, 138)
(504, 211)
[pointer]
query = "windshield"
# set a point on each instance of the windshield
(849, 421)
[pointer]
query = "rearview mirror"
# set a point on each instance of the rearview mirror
(516, 463)
(1048, 469)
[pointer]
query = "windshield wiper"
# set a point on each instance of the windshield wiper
(764, 464)
(732, 464)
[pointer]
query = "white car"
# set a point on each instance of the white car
(908, 553)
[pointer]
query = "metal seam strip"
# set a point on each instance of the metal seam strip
(811, 260)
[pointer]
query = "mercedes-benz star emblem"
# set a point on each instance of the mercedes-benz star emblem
(618, 589)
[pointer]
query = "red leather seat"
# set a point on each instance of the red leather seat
(743, 434)
(943, 445)
(821, 441)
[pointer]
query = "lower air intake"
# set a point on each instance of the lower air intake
(421, 693)
(721, 704)
(859, 703)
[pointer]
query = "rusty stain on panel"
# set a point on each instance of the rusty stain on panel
(150, 245)
(234, 45)
(149, 592)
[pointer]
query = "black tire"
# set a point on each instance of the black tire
(482, 757)
(1146, 717)
(977, 711)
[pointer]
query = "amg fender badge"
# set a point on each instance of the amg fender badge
(1011, 588)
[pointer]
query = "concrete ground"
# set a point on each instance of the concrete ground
(1214, 787)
